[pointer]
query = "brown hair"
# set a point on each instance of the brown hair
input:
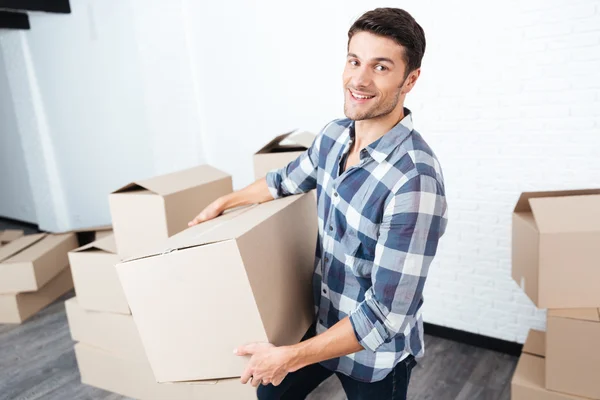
(398, 25)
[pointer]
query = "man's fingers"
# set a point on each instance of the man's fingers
(265, 382)
(246, 376)
(256, 381)
(276, 382)
(245, 350)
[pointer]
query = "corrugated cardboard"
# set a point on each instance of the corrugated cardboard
(16, 308)
(31, 261)
(115, 333)
(133, 378)
(280, 151)
(573, 352)
(147, 212)
(96, 282)
(528, 379)
(242, 277)
(556, 257)
(9, 235)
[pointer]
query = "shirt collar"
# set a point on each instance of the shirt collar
(380, 149)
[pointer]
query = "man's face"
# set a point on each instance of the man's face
(373, 76)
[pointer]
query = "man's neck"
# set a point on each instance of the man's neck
(369, 130)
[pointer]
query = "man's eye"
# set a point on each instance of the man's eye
(353, 63)
(380, 68)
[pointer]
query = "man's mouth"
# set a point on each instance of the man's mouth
(360, 96)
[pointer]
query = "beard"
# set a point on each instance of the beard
(374, 110)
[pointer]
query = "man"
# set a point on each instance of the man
(382, 209)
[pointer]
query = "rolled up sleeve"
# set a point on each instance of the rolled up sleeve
(413, 222)
(299, 176)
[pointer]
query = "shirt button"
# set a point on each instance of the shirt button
(325, 291)
(330, 227)
(335, 194)
(326, 260)
(321, 321)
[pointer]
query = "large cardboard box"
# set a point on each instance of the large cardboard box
(573, 352)
(133, 378)
(147, 212)
(556, 252)
(16, 308)
(95, 277)
(528, 379)
(280, 151)
(9, 235)
(28, 263)
(111, 356)
(242, 277)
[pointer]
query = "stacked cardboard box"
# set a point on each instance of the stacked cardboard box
(109, 351)
(556, 260)
(34, 271)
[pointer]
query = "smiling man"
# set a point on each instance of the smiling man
(382, 210)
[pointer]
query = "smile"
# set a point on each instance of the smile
(359, 96)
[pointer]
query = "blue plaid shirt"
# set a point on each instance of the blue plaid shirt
(379, 226)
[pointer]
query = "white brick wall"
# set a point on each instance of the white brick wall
(510, 101)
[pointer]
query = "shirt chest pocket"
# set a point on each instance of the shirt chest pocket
(352, 247)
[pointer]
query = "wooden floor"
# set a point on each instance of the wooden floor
(37, 362)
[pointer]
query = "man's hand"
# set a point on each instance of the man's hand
(268, 364)
(211, 211)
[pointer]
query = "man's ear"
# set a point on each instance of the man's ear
(411, 80)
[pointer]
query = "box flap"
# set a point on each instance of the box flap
(212, 231)
(17, 246)
(579, 213)
(106, 243)
(523, 202)
(230, 225)
(177, 181)
(535, 343)
(586, 314)
(273, 143)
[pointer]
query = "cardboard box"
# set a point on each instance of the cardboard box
(115, 333)
(528, 379)
(16, 308)
(9, 235)
(31, 261)
(96, 282)
(573, 352)
(104, 233)
(110, 356)
(556, 256)
(280, 151)
(242, 277)
(146, 213)
(133, 378)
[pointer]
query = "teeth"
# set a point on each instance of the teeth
(361, 97)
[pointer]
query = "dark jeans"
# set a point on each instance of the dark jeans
(297, 385)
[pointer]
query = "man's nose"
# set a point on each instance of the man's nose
(361, 78)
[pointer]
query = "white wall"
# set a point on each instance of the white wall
(509, 99)
(105, 100)
(16, 198)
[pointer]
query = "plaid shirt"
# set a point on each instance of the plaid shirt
(379, 226)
